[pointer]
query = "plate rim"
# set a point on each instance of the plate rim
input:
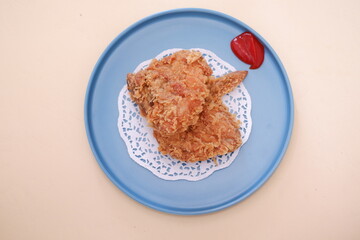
(185, 211)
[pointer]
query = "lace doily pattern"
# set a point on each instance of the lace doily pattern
(143, 147)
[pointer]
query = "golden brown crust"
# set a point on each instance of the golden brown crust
(225, 84)
(182, 102)
(171, 92)
(215, 133)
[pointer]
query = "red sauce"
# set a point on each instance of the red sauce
(248, 49)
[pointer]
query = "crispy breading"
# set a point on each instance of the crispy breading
(182, 102)
(171, 92)
(215, 133)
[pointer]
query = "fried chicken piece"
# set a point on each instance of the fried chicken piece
(215, 133)
(171, 92)
(220, 86)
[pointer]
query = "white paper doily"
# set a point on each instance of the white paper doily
(143, 147)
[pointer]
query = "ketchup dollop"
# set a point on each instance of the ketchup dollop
(248, 49)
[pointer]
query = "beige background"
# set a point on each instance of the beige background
(51, 186)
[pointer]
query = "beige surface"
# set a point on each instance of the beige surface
(51, 186)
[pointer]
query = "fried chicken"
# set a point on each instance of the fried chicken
(182, 102)
(171, 92)
(215, 133)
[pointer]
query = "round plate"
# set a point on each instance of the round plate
(272, 112)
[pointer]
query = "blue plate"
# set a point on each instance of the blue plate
(272, 112)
